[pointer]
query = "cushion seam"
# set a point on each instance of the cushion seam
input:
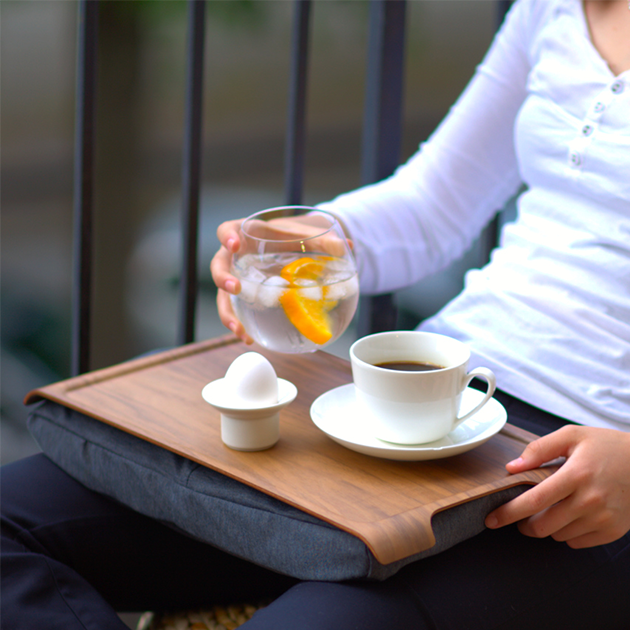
(319, 523)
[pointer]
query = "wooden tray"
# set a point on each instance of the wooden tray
(387, 504)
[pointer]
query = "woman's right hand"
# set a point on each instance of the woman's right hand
(227, 284)
(286, 228)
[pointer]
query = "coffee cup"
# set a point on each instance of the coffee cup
(409, 384)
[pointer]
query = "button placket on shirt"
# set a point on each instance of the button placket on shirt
(575, 159)
(587, 130)
(579, 146)
(617, 87)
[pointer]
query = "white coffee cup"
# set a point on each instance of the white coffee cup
(413, 407)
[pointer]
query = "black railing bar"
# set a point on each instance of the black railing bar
(295, 148)
(191, 170)
(382, 129)
(83, 193)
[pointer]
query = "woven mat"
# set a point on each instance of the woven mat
(215, 618)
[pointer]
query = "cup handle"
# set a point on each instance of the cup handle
(489, 376)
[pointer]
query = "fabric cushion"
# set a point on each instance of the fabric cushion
(221, 511)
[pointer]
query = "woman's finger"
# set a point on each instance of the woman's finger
(302, 228)
(576, 529)
(220, 269)
(560, 443)
(227, 283)
(559, 517)
(595, 538)
(541, 497)
(228, 317)
(228, 235)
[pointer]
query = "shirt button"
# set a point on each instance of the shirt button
(587, 130)
(617, 87)
(599, 107)
(575, 159)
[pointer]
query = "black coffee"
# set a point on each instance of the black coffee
(410, 366)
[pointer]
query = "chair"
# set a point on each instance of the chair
(381, 149)
(380, 156)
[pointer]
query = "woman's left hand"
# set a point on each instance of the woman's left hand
(586, 502)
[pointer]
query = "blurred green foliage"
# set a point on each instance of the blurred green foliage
(231, 13)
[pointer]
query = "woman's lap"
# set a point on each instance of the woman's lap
(71, 556)
(502, 579)
(57, 534)
(498, 580)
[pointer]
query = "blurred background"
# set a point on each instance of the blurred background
(139, 153)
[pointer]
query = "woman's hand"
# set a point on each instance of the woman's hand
(227, 284)
(587, 501)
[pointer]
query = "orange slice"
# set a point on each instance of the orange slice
(310, 317)
(303, 269)
(307, 314)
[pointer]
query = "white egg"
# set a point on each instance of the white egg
(251, 382)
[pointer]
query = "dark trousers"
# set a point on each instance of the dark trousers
(71, 557)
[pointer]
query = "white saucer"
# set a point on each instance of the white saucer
(336, 414)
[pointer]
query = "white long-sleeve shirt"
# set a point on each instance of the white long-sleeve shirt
(550, 313)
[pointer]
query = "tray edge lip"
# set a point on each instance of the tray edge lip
(57, 389)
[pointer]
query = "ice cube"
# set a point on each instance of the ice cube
(251, 278)
(248, 291)
(304, 282)
(344, 289)
(312, 293)
(337, 264)
(276, 281)
(270, 291)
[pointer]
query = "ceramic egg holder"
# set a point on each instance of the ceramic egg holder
(246, 425)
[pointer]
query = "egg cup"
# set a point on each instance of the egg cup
(249, 428)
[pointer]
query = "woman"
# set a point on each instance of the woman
(550, 313)
(543, 109)
(550, 106)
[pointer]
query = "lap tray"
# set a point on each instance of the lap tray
(141, 433)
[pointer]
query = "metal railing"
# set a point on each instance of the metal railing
(380, 153)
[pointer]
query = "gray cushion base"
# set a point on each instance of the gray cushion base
(223, 512)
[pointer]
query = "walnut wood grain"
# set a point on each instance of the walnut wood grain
(387, 504)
